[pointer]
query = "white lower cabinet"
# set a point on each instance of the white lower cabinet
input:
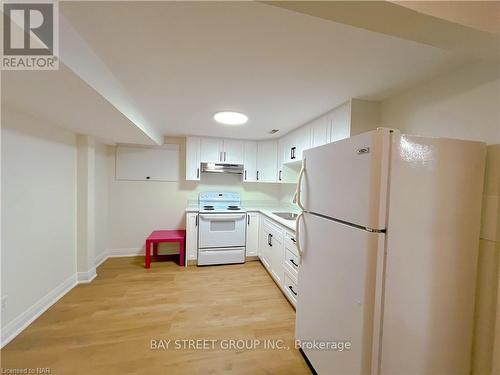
(290, 289)
(278, 253)
(252, 244)
(264, 248)
(291, 264)
(292, 258)
(191, 236)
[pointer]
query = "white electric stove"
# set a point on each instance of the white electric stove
(221, 229)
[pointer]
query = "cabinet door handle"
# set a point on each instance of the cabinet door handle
(279, 177)
(245, 174)
(293, 291)
(196, 221)
(220, 155)
(197, 172)
(293, 240)
(293, 152)
(224, 155)
(270, 237)
(248, 219)
(293, 262)
(257, 175)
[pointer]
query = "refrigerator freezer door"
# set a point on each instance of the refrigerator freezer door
(338, 283)
(347, 179)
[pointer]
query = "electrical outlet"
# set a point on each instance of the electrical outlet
(4, 302)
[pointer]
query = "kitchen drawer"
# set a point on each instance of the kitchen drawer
(277, 235)
(290, 287)
(290, 243)
(292, 263)
(274, 229)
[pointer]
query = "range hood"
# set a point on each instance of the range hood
(222, 168)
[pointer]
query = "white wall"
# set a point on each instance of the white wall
(464, 104)
(287, 192)
(101, 200)
(461, 104)
(38, 211)
(138, 207)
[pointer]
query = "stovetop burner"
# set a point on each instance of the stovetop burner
(220, 202)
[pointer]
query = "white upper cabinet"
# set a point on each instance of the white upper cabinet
(286, 148)
(192, 158)
(282, 149)
(267, 161)
(353, 117)
(340, 119)
(233, 151)
(295, 143)
(250, 161)
(215, 150)
(211, 150)
(148, 163)
(302, 140)
(320, 131)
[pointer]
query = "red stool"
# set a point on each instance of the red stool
(165, 236)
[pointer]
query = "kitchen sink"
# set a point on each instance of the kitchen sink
(286, 215)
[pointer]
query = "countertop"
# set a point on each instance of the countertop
(265, 209)
(289, 224)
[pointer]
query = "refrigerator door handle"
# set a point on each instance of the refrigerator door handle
(296, 198)
(297, 235)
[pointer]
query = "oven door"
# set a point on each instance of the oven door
(222, 230)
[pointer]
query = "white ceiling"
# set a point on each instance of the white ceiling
(180, 62)
(481, 15)
(61, 98)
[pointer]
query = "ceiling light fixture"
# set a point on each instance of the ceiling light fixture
(230, 118)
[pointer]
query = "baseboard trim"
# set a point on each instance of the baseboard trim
(126, 252)
(101, 259)
(15, 327)
(86, 277)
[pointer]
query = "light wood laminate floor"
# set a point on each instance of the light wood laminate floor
(106, 327)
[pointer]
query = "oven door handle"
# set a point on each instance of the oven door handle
(217, 217)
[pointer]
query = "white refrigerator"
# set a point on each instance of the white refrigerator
(389, 238)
